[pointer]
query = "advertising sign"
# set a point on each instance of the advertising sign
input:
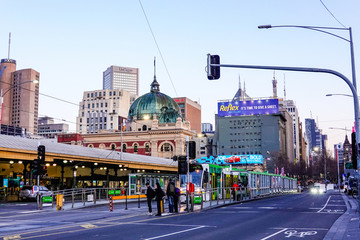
(5, 182)
(254, 107)
(233, 159)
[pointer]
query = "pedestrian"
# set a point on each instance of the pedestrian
(150, 194)
(159, 194)
(176, 199)
(235, 189)
(170, 192)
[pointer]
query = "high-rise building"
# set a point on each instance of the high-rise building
(102, 110)
(290, 106)
(126, 78)
(20, 96)
(207, 128)
(191, 111)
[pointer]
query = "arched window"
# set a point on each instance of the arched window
(113, 146)
(124, 147)
(147, 147)
(166, 147)
(135, 147)
(91, 146)
(144, 128)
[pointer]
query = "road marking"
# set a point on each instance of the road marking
(89, 226)
(31, 211)
(267, 207)
(294, 233)
(325, 204)
(12, 237)
(283, 230)
(174, 233)
(314, 229)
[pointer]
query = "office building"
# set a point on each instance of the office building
(20, 96)
(290, 106)
(126, 78)
(102, 110)
(191, 111)
(207, 128)
(49, 129)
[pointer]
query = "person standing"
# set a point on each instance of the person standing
(170, 192)
(176, 199)
(159, 194)
(150, 194)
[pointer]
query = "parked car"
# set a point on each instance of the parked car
(29, 192)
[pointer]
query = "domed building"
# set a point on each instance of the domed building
(155, 127)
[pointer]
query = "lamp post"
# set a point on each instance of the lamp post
(7, 90)
(324, 30)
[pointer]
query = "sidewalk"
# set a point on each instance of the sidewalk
(347, 225)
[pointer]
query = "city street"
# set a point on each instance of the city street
(297, 215)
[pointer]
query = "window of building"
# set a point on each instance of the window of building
(124, 147)
(135, 147)
(166, 147)
(113, 146)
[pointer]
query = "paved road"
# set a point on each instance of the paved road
(298, 215)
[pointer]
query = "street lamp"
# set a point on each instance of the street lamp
(323, 30)
(338, 94)
(7, 90)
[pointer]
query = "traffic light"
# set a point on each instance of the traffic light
(354, 150)
(41, 154)
(213, 71)
(182, 165)
(192, 150)
(35, 166)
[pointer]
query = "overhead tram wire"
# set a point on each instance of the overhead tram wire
(332, 14)
(157, 45)
(59, 99)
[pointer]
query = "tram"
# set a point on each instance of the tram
(210, 180)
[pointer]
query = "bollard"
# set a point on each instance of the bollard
(84, 197)
(161, 206)
(126, 208)
(187, 201)
(94, 196)
(111, 204)
(192, 201)
(52, 200)
(202, 200)
(41, 201)
(211, 196)
(139, 201)
(224, 194)
(72, 199)
(59, 202)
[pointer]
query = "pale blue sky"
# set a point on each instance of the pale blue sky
(72, 42)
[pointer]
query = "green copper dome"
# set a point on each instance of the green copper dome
(155, 103)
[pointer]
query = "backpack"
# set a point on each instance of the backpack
(177, 191)
(172, 189)
(150, 193)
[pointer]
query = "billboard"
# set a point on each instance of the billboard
(232, 159)
(253, 107)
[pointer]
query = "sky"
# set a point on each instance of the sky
(71, 43)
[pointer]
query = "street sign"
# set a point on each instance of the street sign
(47, 199)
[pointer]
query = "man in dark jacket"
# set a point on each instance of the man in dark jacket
(159, 193)
(150, 194)
(170, 192)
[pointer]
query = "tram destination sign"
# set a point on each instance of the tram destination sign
(232, 159)
(253, 107)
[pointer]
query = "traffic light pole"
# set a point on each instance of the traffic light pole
(318, 70)
(188, 174)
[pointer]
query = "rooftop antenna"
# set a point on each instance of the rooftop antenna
(9, 45)
(244, 90)
(284, 88)
(310, 114)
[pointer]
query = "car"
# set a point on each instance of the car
(316, 190)
(30, 192)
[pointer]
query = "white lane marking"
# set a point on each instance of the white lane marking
(174, 233)
(283, 230)
(31, 211)
(267, 207)
(12, 237)
(325, 205)
(294, 233)
(243, 207)
(297, 228)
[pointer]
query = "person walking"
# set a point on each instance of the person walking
(170, 192)
(159, 194)
(150, 194)
(176, 199)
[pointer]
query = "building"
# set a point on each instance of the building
(70, 138)
(20, 96)
(290, 106)
(102, 110)
(207, 128)
(49, 129)
(347, 153)
(126, 78)
(310, 127)
(155, 127)
(191, 111)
